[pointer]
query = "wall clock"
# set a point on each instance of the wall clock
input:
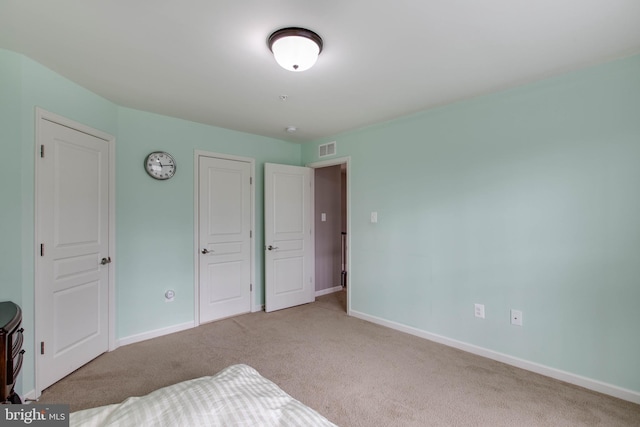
(160, 165)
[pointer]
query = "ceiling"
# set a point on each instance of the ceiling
(207, 60)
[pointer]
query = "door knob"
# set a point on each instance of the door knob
(105, 261)
(272, 247)
(206, 251)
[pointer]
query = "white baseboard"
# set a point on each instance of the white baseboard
(591, 384)
(29, 397)
(155, 333)
(328, 291)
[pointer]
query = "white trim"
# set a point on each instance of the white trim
(131, 339)
(591, 384)
(196, 223)
(328, 291)
(113, 343)
(333, 162)
(29, 397)
(42, 114)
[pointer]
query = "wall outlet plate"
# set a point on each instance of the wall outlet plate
(516, 317)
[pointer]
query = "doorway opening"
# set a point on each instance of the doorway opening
(331, 223)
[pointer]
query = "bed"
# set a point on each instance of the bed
(236, 396)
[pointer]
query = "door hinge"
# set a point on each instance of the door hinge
(42, 150)
(250, 287)
(250, 180)
(250, 233)
(41, 347)
(41, 249)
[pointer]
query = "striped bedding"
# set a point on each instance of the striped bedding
(236, 396)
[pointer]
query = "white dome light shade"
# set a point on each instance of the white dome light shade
(295, 49)
(295, 53)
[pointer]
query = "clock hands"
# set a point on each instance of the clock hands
(160, 165)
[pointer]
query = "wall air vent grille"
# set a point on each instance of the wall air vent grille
(328, 149)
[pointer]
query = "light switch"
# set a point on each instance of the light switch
(479, 310)
(323, 217)
(374, 217)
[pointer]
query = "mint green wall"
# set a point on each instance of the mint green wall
(154, 240)
(10, 174)
(155, 229)
(525, 199)
(26, 85)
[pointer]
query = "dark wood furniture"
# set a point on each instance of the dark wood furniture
(11, 351)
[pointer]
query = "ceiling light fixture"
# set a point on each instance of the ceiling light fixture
(295, 49)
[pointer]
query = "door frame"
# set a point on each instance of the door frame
(42, 114)
(334, 162)
(196, 227)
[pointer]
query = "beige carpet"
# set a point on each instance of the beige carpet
(353, 372)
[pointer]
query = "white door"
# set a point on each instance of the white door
(289, 253)
(224, 216)
(72, 217)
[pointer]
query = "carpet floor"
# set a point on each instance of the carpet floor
(353, 372)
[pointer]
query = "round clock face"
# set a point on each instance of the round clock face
(160, 165)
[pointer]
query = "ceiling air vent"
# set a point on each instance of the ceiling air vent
(328, 149)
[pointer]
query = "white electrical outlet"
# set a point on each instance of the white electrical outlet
(479, 310)
(374, 217)
(516, 317)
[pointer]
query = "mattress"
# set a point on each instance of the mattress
(236, 396)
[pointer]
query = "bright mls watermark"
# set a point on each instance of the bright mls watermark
(34, 415)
